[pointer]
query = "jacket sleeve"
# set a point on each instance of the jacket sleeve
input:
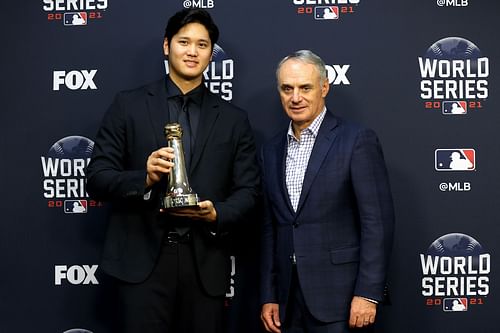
(109, 175)
(374, 201)
(245, 180)
(268, 292)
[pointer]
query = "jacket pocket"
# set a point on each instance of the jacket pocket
(345, 255)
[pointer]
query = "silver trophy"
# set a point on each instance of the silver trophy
(179, 193)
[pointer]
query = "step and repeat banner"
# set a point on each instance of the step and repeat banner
(424, 74)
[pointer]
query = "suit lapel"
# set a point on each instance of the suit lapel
(208, 115)
(158, 110)
(279, 156)
(324, 141)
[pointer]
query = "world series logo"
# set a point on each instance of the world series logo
(454, 77)
(64, 175)
(329, 10)
(455, 273)
(74, 12)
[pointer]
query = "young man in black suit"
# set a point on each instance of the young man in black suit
(173, 268)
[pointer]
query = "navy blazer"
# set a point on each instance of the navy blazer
(342, 230)
(223, 169)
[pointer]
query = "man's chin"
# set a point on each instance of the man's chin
(186, 76)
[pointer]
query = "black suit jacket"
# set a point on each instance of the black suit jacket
(223, 170)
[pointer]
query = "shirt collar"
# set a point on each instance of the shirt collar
(313, 128)
(195, 95)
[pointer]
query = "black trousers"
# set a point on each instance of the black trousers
(298, 319)
(171, 300)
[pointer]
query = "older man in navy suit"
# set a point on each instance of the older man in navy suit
(329, 217)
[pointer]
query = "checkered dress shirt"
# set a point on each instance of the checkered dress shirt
(297, 157)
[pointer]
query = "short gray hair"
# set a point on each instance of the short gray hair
(308, 57)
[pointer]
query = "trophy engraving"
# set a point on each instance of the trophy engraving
(179, 193)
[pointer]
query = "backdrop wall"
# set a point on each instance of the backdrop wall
(423, 74)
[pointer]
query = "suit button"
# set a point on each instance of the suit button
(295, 224)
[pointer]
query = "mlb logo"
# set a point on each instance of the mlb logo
(454, 107)
(326, 12)
(460, 159)
(75, 206)
(75, 18)
(455, 304)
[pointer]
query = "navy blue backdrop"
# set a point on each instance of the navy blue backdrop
(423, 74)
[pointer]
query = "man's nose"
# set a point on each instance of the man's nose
(296, 97)
(193, 50)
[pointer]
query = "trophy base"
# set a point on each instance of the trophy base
(180, 201)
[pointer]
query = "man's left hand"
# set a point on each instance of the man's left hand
(205, 211)
(362, 312)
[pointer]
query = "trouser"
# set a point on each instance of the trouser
(298, 319)
(172, 299)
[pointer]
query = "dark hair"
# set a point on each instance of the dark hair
(192, 15)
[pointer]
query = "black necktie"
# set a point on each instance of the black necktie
(186, 129)
(183, 120)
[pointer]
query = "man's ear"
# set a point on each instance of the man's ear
(325, 88)
(165, 47)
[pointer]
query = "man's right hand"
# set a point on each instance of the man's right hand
(270, 316)
(158, 164)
